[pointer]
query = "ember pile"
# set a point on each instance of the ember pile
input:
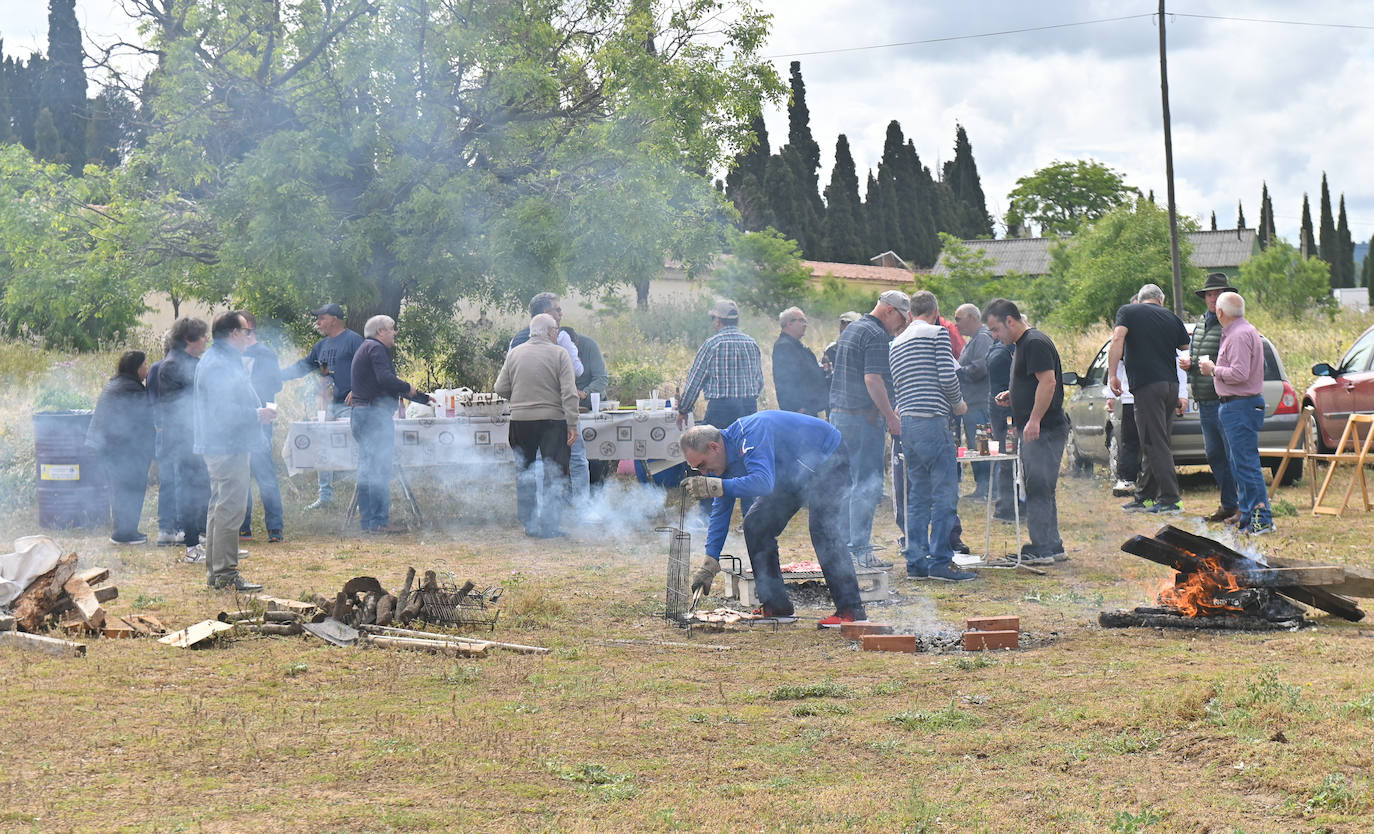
(1217, 587)
(363, 601)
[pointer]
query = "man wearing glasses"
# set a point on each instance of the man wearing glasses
(374, 401)
(227, 419)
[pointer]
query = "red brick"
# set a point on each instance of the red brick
(853, 631)
(977, 641)
(1006, 622)
(889, 642)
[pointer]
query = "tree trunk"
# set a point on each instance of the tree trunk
(642, 294)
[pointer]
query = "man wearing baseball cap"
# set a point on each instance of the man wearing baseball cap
(1207, 342)
(728, 372)
(332, 357)
(861, 408)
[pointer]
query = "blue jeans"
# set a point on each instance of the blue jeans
(865, 438)
(932, 489)
(1214, 439)
(579, 471)
(375, 434)
(1241, 419)
(265, 473)
(1040, 460)
(972, 419)
(325, 477)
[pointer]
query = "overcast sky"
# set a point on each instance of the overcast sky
(1251, 101)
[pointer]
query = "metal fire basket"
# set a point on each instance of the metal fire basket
(443, 601)
(678, 596)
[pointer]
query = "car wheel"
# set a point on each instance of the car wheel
(1080, 465)
(1314, 435)
(1291, 475)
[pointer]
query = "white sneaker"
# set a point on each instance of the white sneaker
(243, 554)
(1123, 488)
(167, 538)
(195, 555)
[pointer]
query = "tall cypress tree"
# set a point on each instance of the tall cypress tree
(919, 213)
(1307, 243)
(805, 158)
(842, 240)
(795, 217)
(963, 180)
(883, 208)
(64, 83)
(744, 183)
(1266, 223)
(1327, 245)
(1367, 270)
(1240, 215)
(1345, 248)
(1214, 221)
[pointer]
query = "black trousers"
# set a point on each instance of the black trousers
(193, 493)
(827, 502)
(128, 478)
(1128, 446)
(540, 510)
(1155, 407)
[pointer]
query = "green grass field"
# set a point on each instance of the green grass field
(632, 724)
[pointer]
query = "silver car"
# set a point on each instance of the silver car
(1093, 435)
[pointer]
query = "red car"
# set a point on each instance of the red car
(1341, 391)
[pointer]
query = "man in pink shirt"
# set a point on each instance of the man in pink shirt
(1239, 375)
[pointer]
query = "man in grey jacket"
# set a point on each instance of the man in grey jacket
(973, 377)
(227, 418)
(537, 378)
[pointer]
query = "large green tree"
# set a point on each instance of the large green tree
(764, 271)
(1283, 282)
(1098, 270)
(382, 153)
(1063, 196)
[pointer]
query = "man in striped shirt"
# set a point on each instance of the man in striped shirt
(728, 371)
(928, 394)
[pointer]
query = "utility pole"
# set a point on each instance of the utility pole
(1169, 168)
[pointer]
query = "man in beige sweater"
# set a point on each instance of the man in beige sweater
(537, 378)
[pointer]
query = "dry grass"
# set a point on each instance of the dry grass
(1087, 731)
(1091, 730)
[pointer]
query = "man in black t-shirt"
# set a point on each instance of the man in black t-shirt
(1150, 335)
(1036, 399)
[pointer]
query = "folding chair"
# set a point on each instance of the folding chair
(1350, 438)
(1299, 448)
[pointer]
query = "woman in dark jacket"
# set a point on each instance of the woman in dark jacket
(121, 433)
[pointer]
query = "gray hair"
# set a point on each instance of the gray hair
(1231, 304)
(542, 324)
(967, 310)
(377, 323)
(1151, 292)
(697, 438)
(790, 315)
(543, 302)
(924, 303)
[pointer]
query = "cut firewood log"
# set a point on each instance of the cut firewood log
(369, 612)
(103, 595)
(40, 643)
(1271, 577)
(342, 609)
(83, 599)
(386, 609)
(38, 600)
(431, 582)
(281, 629)
(434, 635)
(94, 576)
(403, 600)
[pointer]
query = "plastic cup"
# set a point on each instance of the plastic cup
(963, 450)
(321, 415)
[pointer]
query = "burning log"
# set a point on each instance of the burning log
(1171, 618)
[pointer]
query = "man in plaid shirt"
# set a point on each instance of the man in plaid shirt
(728, 371)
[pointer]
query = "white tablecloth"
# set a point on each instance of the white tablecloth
(440, 441)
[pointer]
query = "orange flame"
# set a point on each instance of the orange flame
(1197, 595)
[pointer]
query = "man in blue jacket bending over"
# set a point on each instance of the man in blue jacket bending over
(785, 461)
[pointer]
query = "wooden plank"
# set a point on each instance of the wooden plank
(121, 632)
(145, 624)
(102, 595)
(84, 601)
(94, 576)
(1271, 577)
(305, 609)
(1161, 554)
(194, 635)
(40, 643)
(474, 641)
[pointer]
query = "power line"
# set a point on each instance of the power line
(958, 37)
(1355, 26)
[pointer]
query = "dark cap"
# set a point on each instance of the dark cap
(329, 310)
(1215, 281)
